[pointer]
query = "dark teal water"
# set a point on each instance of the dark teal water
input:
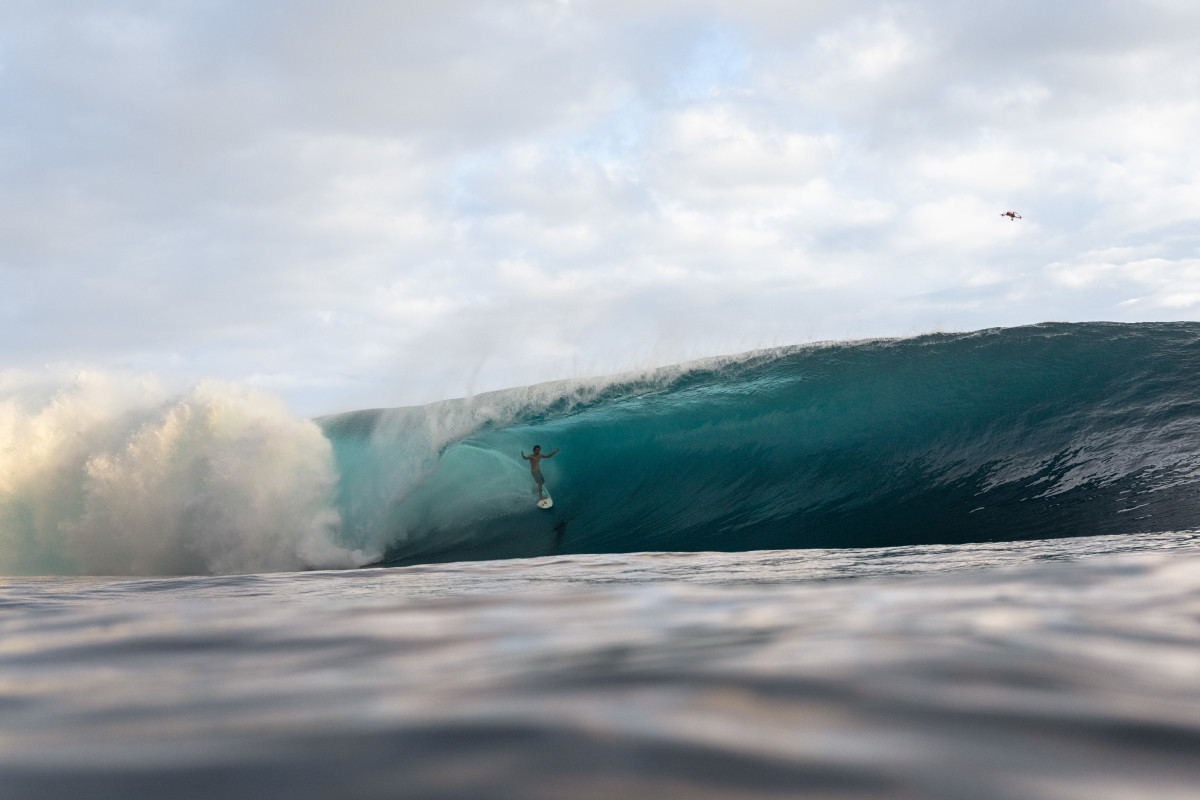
(1045, 431)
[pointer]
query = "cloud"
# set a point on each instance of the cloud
(376, 203)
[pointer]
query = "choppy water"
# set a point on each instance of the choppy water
(1052, 669)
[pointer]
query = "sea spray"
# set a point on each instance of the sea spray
(110, 476)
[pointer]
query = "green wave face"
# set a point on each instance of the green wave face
(1037, 432)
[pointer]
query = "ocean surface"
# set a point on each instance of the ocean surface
(957, 565)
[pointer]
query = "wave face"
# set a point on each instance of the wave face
(1046, 431)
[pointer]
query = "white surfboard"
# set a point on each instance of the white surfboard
(545, 501)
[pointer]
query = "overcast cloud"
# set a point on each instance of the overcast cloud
(363, 203)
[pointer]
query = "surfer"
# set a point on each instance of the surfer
(1011, 215)
(535, 465)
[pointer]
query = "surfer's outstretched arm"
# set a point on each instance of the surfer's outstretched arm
(548, 455)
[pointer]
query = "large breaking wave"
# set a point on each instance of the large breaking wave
(1043, 431)
(1036, 432)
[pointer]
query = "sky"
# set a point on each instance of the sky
(364, 204)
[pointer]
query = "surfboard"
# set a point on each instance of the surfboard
(545, 502)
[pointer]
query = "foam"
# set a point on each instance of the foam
(109, 475)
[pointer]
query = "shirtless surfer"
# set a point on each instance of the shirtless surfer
(535, 466)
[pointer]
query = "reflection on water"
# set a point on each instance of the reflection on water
(1050, 669)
